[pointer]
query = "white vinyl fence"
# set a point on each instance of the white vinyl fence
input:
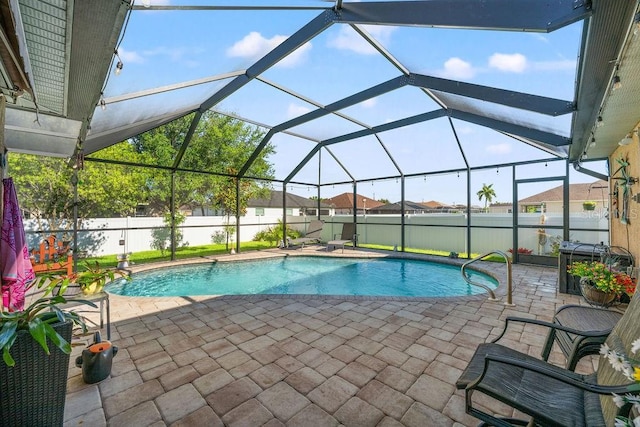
(446, 232)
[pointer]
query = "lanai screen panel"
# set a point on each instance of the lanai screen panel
(538, 63)
(132, 109)
(180, 45)
(560, 125)
(365, 158)
(424, 147)
(263, 103)
(333, 67)
(486, 147)
(289, 152)
(406, 101)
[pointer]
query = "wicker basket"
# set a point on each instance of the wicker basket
(595, 296)
(33, 392)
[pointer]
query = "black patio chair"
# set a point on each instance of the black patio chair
(594, 324)
(549, 394)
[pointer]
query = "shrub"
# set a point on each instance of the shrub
(523, 251)
(273, 234)
(218, 237)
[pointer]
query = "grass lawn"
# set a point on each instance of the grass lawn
(181, 253)
(216, 249)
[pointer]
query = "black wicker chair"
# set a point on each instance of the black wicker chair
(551, 395)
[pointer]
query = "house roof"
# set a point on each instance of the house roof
(293, 201)
(345, 201)
(433, 204)
(408, 205)
(577, 192)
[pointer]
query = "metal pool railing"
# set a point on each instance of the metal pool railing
(485, 287)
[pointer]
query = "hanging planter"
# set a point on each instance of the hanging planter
(589, 205)
(595, 296)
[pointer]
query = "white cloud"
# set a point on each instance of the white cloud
(296, 110)
(539, 37)
(499, 149)
(464, 130)
(456, 68)
(254, 46)
(369, 103)
(147, 3)
(510, 63)
(130, 56)
(348, 39)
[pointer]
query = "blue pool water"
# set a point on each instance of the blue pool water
(305, 275)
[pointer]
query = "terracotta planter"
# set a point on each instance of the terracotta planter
(595, 296)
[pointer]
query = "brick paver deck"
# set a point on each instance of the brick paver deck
(304, 360)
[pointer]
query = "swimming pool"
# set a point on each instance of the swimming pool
(305, 275)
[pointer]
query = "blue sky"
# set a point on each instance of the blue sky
(168, 47)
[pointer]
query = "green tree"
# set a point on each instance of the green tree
(385, 201)
(220, 145)
(45, 187)
(488, 193)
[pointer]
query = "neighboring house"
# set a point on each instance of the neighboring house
(433, 206)
(596, 192)
(410, 208)
(271, 206)
(501, 208)
(343, 203)
(296, 205)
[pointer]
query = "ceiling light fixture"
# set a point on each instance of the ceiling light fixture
(599, 122)
(119, 64)
(593, 142)
(626, 140)
(103, 103)
(617, 84)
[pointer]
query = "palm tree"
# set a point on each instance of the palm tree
(488, 193)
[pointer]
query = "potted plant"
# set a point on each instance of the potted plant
(35, 345)
(90, 280)
(599, 282)
(589, 205)
(123, 260)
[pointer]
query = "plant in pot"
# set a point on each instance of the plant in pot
(35, 345)
(599, 282)
(589, 205)
(90, 280)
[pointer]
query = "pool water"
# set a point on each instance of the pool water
(305, 275)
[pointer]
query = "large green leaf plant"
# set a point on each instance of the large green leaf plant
(38, 319)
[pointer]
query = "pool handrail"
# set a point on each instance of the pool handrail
(485, 287)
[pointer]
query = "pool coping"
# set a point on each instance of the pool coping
(311, 251)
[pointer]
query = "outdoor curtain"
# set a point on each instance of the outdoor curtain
(15, 264)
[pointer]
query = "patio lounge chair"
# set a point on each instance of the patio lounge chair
(312, 236)
(551, 395)
(348, 235)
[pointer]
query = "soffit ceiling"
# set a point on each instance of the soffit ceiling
(57, 55)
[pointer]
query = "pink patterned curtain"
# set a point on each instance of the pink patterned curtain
(15, 264)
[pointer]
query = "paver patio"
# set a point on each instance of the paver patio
(304, 360)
